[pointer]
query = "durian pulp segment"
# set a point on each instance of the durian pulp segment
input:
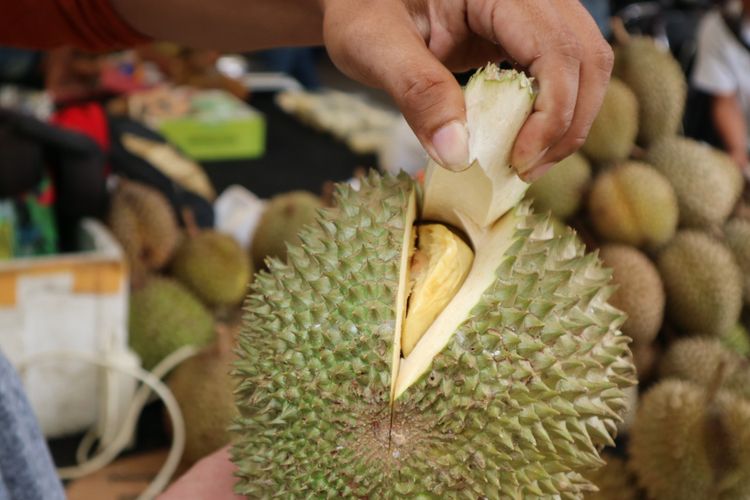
(490, 246)
(407, 250)
(438, 269)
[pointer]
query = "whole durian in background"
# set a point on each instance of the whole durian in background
(560, 191)
(697, 359)
(737, 238)
(282, 219)
(509, 393)
(691, 443)
(165, 316)
(640, 293)
(706, 181)
(204, 389)
(214, 267)
(634, 204)
(613, 133)
(613, 480)
(659, 84)
(702, 282)
(143, 221)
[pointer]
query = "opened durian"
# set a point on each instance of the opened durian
(510, 392)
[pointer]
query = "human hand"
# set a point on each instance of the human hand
(410, 47)
(212, 478)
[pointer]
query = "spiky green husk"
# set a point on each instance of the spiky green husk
(284, 216)
(612, 135)
(697, 359)
(204, 390)
(516, 405)
(614, 481)
(561, 190)
(658, 82)
(703, 284)
(640, 292)
(706, 181)
(165, 316)
(685, 447)
(737, 238)
(633, 204)
(214, 267)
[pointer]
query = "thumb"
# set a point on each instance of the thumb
(379, 44)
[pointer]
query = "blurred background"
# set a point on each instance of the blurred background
(141, 190)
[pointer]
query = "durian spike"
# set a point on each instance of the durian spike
(620, 33)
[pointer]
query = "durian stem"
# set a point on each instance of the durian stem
(716, 382)
(188, 218)
(622, 37)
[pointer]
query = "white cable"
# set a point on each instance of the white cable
(151, 381)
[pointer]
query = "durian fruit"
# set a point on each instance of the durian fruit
(282, 219)
(560, 191)
(633, 204)
(640, 293)
(696, 360)
(509, 393)
(737, 340)
(438, 269)
(204, 389)
(631, 407)
(614, 481)
(737, 238)
(645, 359)
(691, 443)
(658, 82)
(165, 316)
(702, 282)
(144, 223)
(613, 133)
(706, 181)
(214, 267)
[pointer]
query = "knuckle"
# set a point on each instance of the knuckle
(568, 45)
(421, 91)
(603, 57)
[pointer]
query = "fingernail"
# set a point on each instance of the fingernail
(451, 145)
(536, 172)
(524, 166)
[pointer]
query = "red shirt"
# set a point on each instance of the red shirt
(88, 24)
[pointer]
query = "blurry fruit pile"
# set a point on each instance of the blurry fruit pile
(187, 289)
(664, 212)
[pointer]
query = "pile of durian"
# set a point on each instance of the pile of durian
(187, 288)
(662, 212)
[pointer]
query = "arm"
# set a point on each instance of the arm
(232, 25)
(730, 124)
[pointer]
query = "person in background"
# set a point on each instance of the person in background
(409, 48)
(722, 69)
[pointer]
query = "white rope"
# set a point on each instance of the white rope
(150, 381)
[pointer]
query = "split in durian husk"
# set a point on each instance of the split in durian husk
(511, 391)
(691, 443)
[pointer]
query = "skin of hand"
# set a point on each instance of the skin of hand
(729, 121)
(212, 478)
(410, 47)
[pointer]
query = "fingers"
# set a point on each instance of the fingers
(398, 60)
(561, 47)
(595, 70)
